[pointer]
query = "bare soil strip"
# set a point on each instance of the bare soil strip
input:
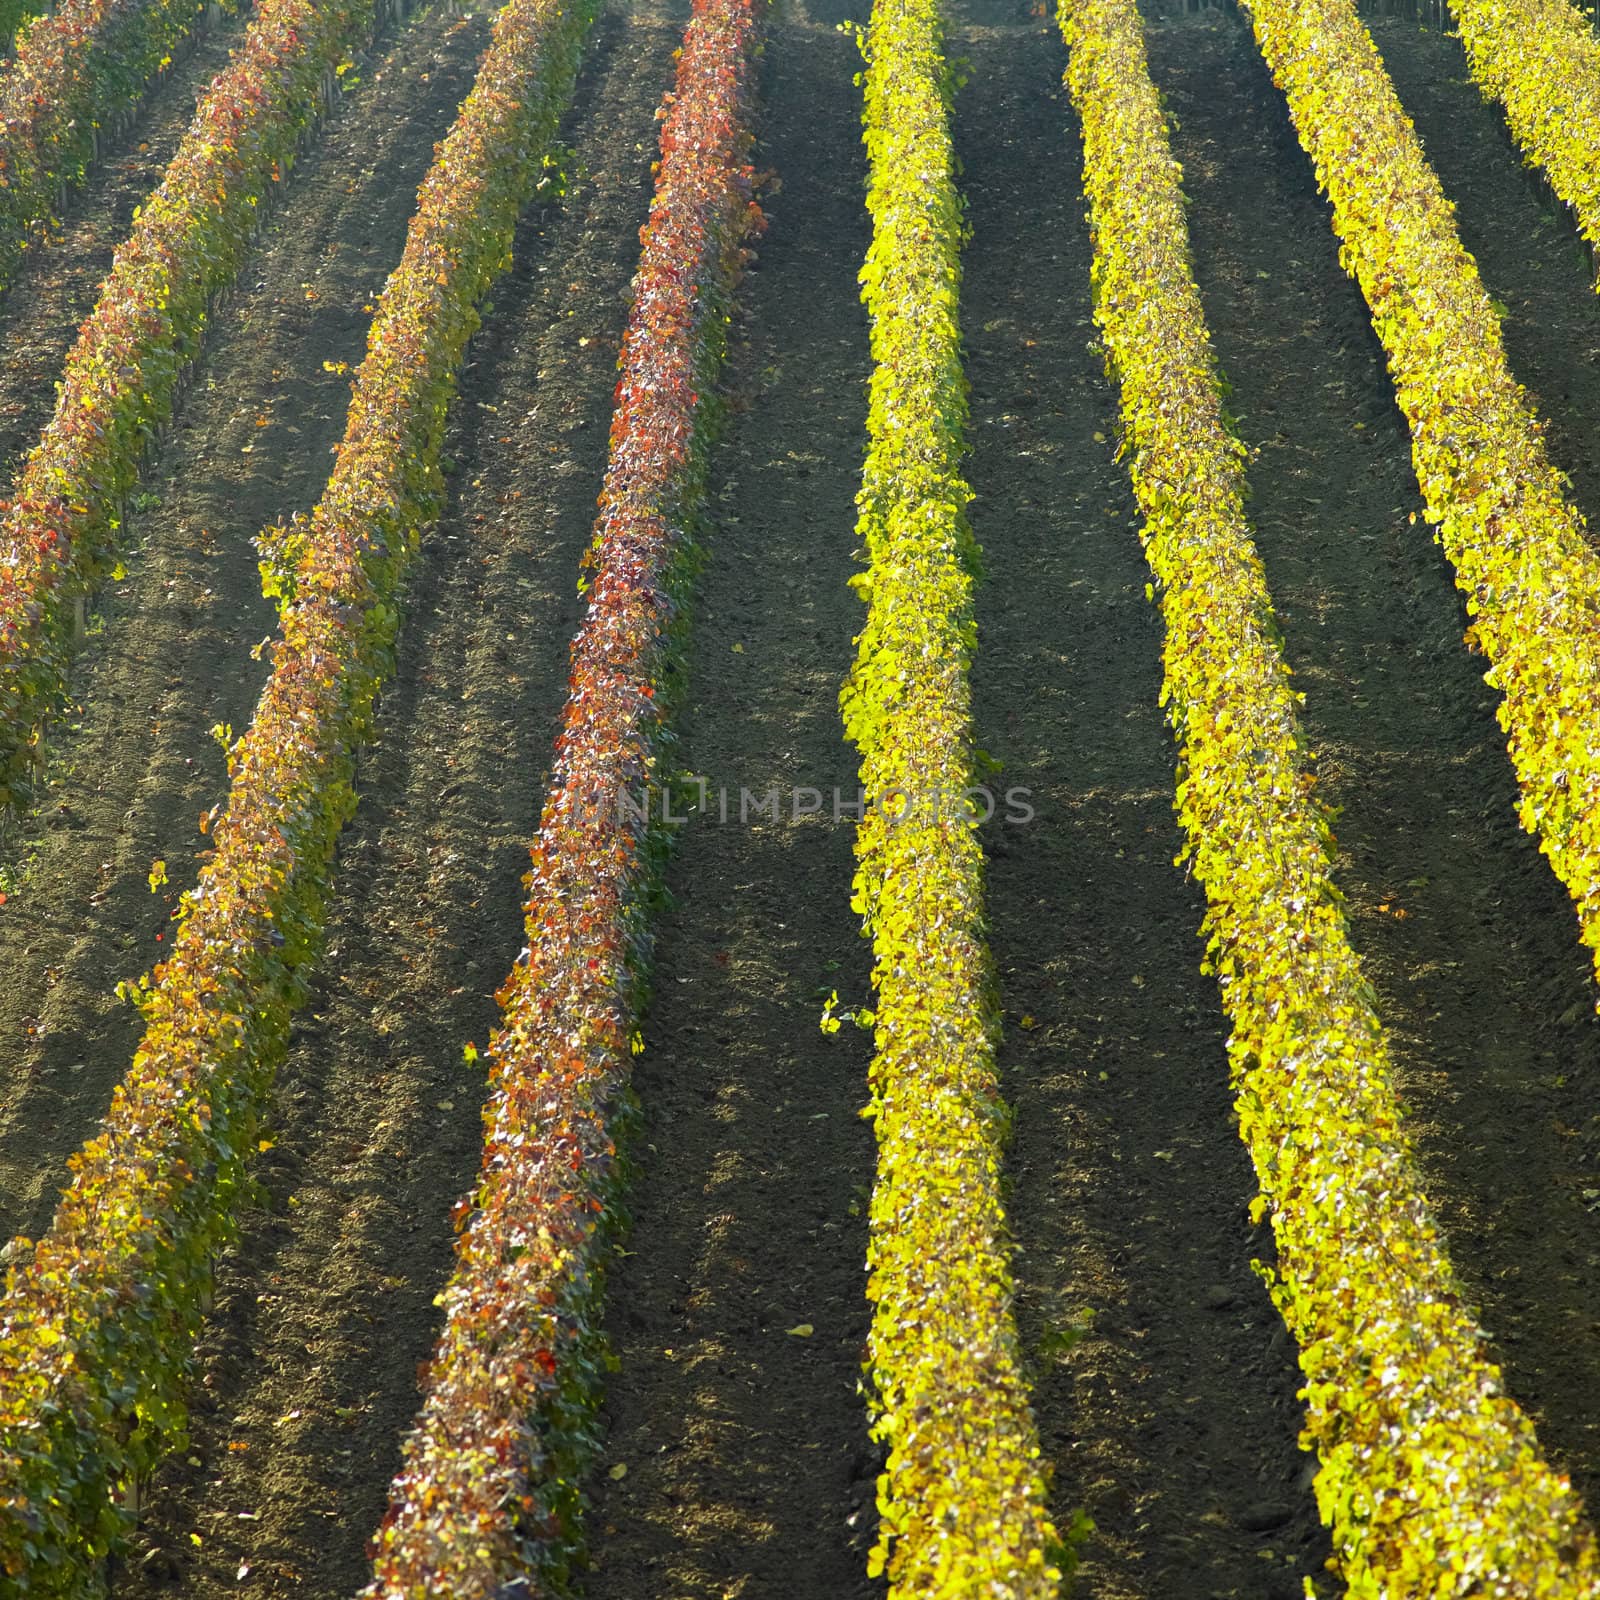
(326, 1309)
(1467, 935)
(130, 778)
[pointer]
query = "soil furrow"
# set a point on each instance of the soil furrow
(56, 285)
(325, 1310)
(738, 1314)
(171, 657)
(1468, 936)
(1164, 1382)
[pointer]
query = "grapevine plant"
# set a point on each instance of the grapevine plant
(961, 1500)
(60, 534)
(82, 67)
(1540, 59)
(1519, 547)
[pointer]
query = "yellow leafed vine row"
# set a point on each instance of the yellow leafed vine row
(961, 1499)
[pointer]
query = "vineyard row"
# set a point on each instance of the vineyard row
(961, 1500)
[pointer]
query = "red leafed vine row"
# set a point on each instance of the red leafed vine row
(98, 1318)
(490, 1487)
(189, 240)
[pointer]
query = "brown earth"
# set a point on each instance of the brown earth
(738, 1461)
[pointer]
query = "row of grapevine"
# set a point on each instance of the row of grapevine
(962, 1497)
(98, 1317)
(1430, 1478)
(490, 1486)
(1540, 59)
(81, 68)
(189, 240)
(1519, 548)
